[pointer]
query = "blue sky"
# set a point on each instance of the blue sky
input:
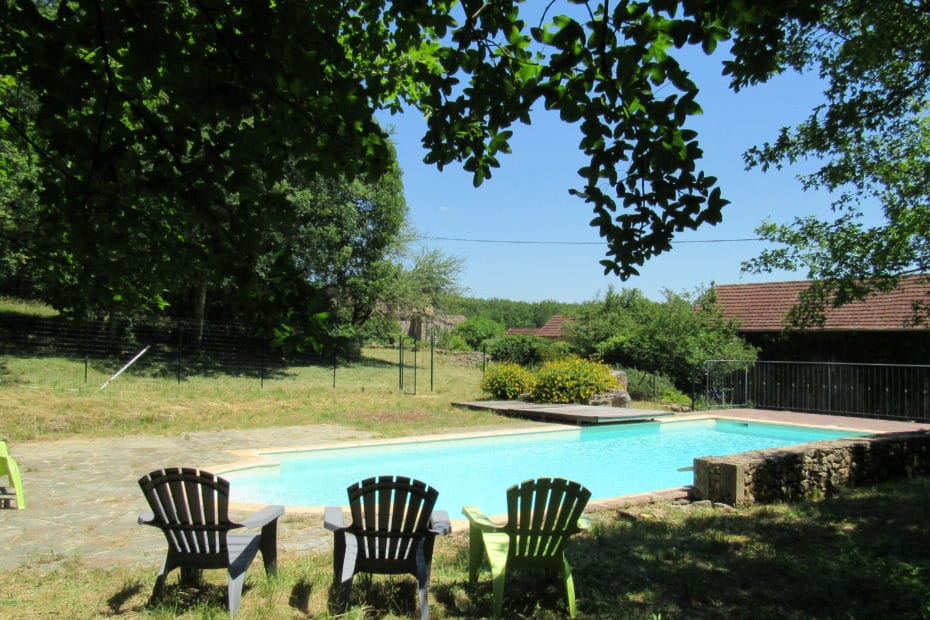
(527, 200)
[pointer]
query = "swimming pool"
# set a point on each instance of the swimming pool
(610, 460)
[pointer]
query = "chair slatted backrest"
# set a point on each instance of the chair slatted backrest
(389, 513)
(542, 515)
(191, 507)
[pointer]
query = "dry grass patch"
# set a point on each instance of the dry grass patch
(47, 398)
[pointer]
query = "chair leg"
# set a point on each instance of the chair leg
(569, 587)
(498, 576)
(234, 589)
(159, 587)
(475, 553)
(269, 547)
(423, 575)
(191, 576)
(344, 557)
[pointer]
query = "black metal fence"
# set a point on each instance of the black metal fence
(893, 391)
(177, 349)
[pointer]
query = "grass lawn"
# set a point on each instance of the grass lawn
(47, 398)
(862, 554)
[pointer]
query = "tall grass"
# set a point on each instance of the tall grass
(862, 554)
(45, 398)
(26, 306)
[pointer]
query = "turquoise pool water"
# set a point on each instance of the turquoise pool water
(610, 460)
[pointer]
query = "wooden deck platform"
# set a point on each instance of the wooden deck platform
(566, 414)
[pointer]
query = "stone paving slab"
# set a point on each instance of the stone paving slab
(83, 497)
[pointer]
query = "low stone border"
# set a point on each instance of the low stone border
(811, 470)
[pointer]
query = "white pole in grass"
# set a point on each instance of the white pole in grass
(128, 364)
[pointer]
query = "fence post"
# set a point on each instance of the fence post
(706, 383)
(180, 348)
(432, 358)
(335, 361)
(746, 385)
(86, 352)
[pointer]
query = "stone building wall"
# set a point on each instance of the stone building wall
(811, 470)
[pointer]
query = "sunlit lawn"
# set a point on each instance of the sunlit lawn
(48, 398)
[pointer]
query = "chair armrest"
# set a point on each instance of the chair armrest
(147, 518)
(585, 522)
(440, 523)
(263, 517)
(333, 518)
(476, 518)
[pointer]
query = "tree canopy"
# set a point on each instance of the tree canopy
(870, 141)
(671, 338)
(507, 312)
(164, 132)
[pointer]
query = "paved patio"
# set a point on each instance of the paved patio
(83, 499)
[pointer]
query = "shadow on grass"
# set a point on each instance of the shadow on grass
(376, 596)
(836, 558)
(863, 554)
(300, 596)
(115, 603)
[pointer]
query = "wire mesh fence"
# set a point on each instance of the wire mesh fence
(177, 350)
(893, 391)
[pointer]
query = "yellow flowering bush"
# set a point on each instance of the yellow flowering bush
(572, 380)
(507, 381)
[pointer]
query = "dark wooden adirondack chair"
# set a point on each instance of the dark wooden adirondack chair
(392, 532)
(191, 506)
(541, 515)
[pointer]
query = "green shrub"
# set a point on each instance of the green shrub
(653, 387)
(554, 350)
(571, 380)
(476, 330)
(507, 381)
(456, 343)
(526, 350)
(379, 329)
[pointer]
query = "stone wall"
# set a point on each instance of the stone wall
(811, 470)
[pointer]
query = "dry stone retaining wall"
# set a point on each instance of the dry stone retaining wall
(811, 470)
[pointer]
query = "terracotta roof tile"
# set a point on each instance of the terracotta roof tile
(552, 329)
(764, 306)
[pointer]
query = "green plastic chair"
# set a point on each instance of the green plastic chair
(10, 469)
(541, 516)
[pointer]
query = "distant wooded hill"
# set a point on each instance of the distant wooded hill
(508, 312)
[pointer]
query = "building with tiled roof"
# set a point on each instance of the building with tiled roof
(553, 329)
(765, 306)
(879, 328)
(522, 331)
